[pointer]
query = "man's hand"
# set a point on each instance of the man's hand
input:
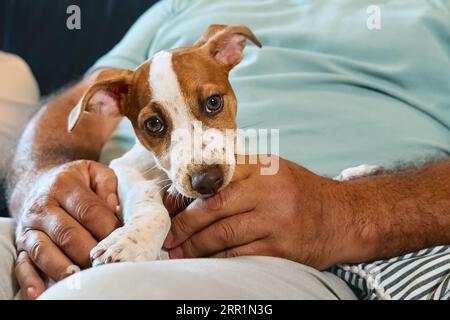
(279, 215)
(68, 209)
(303, 217)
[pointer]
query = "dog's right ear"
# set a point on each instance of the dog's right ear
(226, 43)
(106, 96)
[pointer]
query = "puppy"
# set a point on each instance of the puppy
(174, 100)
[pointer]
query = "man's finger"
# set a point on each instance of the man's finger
(238, 197)
(257, 248)
(104, 183)
(71, 237)
(46, 255)
(30, 282)
(89, 210)
(227, 233)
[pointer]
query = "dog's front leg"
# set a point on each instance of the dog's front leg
(146, 220)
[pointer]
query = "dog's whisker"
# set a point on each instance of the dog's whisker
(150, 169)
(172, 192)
(165, 187)
(177, 200)
(182, 202)
(165, 180)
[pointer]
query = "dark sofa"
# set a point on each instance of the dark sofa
(36, 30)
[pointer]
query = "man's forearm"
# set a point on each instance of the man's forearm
(46, 143)
(398, 213)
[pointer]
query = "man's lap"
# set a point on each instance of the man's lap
(238, 278)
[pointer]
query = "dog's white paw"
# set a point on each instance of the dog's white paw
(358, 172)
(123, 246)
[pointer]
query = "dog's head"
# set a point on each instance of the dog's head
(182, 107)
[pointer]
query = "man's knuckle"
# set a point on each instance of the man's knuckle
(110, 173)
(22, 235)
(40, 205)
(188, 248)
(34, 218)
(86, 211)
(64, 174)
(107, 179)
(225, 232)
(19, 266)
(81, 163)
(65, 235)
(231, 254)
(21, 260)
(71, 169)
(220, 200)
(36, 211)
(36, 249)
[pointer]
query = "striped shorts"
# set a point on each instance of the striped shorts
(422, 275)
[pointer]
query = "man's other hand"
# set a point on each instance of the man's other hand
(68, 209)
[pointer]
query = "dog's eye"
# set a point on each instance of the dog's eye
(155, 125)
(214, 104)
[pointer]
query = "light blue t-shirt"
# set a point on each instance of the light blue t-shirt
(340, 93)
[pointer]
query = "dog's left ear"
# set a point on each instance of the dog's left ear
(226, 44)
(107, 95)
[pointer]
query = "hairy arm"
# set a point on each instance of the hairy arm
(46, 143)
(397, 213)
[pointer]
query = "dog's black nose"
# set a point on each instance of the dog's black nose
(207, 181)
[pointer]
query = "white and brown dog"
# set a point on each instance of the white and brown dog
(166, 99)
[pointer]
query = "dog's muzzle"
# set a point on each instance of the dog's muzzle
(207, 181)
